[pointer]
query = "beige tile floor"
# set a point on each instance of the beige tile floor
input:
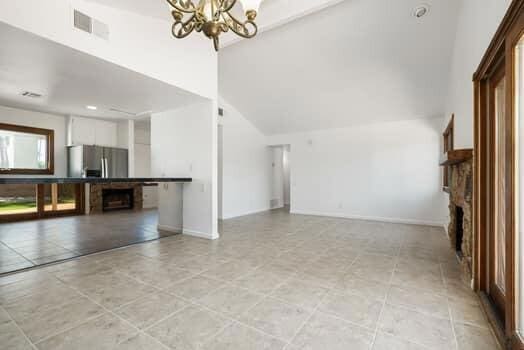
(272, 281)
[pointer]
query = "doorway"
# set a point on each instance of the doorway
(281, 177)
(287, 176)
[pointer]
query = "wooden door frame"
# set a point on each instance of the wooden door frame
(500, 51)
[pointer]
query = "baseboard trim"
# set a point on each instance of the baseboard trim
(370, 218)
(170, 228)
(251, 212)
(200, 234)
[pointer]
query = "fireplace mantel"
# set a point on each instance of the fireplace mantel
(456, 156)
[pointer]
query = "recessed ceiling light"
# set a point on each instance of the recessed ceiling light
(93, 108)
(421, 11)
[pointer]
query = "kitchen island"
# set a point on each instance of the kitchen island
(88, 180)
(48, 219)
(85, 195)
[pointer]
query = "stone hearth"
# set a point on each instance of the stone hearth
(96, 195)
(461, 193)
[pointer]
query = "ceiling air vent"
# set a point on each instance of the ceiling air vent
(90, 25)
(131, 114)
(30, 94)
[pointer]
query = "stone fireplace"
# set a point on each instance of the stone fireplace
(460, 228)
(115, 196)
(118, 199)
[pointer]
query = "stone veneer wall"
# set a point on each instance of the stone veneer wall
(461, 194)
(95, 195)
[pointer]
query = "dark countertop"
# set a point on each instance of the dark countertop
(91, 180)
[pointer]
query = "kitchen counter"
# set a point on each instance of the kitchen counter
(90, 180)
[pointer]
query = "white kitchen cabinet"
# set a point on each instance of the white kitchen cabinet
(80, 132)
(149, 197)
(87, 131)
(105, 133)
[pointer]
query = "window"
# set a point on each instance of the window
(448, 146)
(26, 150)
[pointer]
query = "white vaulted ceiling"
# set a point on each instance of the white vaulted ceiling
(319, 64)
(360, 61)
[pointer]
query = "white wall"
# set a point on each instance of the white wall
(477, 23)
(142, 159)
(41, 120)
(183, 144)
(386, 171)
(140, 43)
(126, 139)
(220, 172)
(246, 176)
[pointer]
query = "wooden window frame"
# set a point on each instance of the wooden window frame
(50, 154)
(500, 52)
(449, 145)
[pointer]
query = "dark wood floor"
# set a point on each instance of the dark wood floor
(33, 243)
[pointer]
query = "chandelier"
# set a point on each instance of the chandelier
(213, 17)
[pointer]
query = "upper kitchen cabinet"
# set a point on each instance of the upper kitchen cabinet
(105, 133)
(87, 131)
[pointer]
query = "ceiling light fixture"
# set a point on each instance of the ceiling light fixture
(93, 108)
(213, 17)
(421, 10)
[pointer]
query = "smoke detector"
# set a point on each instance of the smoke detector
(421, 11)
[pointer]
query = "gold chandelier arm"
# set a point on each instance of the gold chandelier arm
(185, 6)
(181, 29)
(226, 5)
(246, 29)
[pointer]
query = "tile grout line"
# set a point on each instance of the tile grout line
(106, 311)
(236, 319)
(449, 310)
(17, 253)
(314, 311)
(19, 328)
(379, 320)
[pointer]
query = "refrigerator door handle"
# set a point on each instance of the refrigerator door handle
(104, 167)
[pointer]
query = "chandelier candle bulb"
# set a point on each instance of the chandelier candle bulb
(251, 5)
(213, 17)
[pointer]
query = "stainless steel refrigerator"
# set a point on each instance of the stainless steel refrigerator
(96, 161)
